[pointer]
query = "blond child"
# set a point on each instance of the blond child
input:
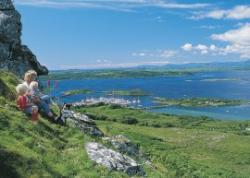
(24, 103)
(35, 92)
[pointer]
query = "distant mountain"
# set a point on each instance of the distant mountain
(242, 65)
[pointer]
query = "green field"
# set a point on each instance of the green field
(181, 146)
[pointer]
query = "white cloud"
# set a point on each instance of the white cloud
(209, 27)
(140, 54)
(238, 39)
(102, 61)
(238, 43)
(199, 49)
(123, 5)
(161, 54)
(187, 47)
(239, 36)
(238, 13)
(168, 53)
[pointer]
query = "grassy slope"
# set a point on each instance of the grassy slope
(182, 147)
(42, 150)
(178, 147)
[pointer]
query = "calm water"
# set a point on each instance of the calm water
(232, 85)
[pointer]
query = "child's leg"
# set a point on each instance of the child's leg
(45, 108)
(46, 98)
(34, 113)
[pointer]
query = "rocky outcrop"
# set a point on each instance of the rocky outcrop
(14, 56)
(83, 122)
(113, 160)
(123, 145)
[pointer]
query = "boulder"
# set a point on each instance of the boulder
(124, 145)
(113, 160)
(83, 122)
(14, 56)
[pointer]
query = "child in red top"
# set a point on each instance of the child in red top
(24, 104)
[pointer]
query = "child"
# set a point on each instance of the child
(35, 92)
(24, 103)
(43, 102)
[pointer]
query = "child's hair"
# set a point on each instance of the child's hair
(21, 89)
(30, 75)
(34, 85)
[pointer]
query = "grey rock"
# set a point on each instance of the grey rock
(113, 160)
(90, 129)
(14, 56)
(6, 4)
(67, 113)
(124, 145)
(83, 122)
(84, 118)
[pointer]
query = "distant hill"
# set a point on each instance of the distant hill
(241, 65)
(192, 67)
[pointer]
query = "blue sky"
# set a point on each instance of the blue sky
(67, 34)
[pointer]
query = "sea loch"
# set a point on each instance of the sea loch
(232, 84)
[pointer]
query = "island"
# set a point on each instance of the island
(221, 80)
(132, 92)
(112, 73)
(76, 92)
(197, 102)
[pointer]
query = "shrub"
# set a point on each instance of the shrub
(115, 106)
(129, 120)
(168, 124)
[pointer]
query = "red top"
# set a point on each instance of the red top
(22, 102)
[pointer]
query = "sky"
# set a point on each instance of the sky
(84, 34)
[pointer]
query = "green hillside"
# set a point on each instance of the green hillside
(41, 150)
(177, 146)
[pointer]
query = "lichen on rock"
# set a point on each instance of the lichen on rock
(113, 160)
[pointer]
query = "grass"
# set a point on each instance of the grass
(181, 146)
(176, 146)
(43, 149)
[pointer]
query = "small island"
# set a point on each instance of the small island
(132, 92)
(76, 92)
(221, 80)
(197, 102)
